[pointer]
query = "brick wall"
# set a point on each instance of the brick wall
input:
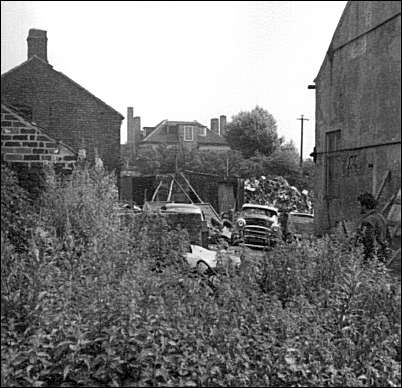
(24, 143)
(65, 110)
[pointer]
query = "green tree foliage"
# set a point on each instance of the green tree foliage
(164, 160)
(284, 161)
(148, 161)
(107, 303)
(253, 131)
(256, 150)
(219, 163)
(308, 174)
(17, 215)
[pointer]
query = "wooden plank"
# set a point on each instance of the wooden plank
(170, 189)
(392, 200)
(184, 191)
(156, 191)
(394, 256)
(381, 188)
(191, 187)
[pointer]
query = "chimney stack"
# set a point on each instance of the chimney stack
(37, 44)
(137, 130)
(215, 125)
(130, 132)
(222, 125)
(130, 125)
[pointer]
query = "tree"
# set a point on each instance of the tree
(284, 161)
(163, 160)
(215, 162)
(252, 132)
(308, 174)
(148, 161)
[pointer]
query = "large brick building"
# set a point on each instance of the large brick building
(23, 142)
(358, 111)
(26, 148)
(174, 134)
(188, 134)
(64, 109)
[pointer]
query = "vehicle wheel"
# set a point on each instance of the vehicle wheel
(290, 238)
(214, 281)
(202, 267)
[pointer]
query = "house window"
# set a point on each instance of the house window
(202, 131)
(333, 165)
(188, 134)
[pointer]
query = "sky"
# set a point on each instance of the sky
(184, 60)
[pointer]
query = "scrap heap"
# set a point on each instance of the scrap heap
(278, 193)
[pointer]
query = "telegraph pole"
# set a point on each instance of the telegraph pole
(302, 119)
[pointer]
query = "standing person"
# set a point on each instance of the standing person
(372, 229)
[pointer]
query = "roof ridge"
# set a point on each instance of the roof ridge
(87, 91)
(17, 67)
(65, 76)
(156, 128)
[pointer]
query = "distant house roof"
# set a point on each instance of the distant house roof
(50, 67)
(158, 137)
(212, 138)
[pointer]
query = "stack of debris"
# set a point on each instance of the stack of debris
(278, 193)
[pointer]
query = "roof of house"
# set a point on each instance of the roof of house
(156, 136)
(50, 67)
(212, 138)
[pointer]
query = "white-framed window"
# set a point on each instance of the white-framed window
(202, 131)
(188, 133)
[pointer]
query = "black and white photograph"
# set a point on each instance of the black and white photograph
(200, 193)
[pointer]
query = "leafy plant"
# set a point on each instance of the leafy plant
(95, 301)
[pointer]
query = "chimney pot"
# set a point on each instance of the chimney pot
(137, 130)
(215, 125)
(130, 125)
(222, 125)
(37, 44)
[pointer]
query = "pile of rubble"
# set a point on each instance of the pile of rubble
(278, 193)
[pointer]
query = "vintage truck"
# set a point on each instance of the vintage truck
(183, 215)
(257, 226)
(298, 226)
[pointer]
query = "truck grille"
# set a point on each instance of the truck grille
(257, 222)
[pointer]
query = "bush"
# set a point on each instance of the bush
(17, 213)
(103, 304)
(282, 162)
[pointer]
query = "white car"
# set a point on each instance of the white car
(204, 259)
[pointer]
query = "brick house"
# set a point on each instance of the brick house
(182, 134)
(25, 148)
(24, 142)
(358, 112)
(189, 134)
(64, 109)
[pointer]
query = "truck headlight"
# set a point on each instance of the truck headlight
(241, 222)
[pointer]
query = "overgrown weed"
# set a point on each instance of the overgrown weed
(92, 301)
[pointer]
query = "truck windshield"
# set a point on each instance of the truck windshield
(251, 211)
